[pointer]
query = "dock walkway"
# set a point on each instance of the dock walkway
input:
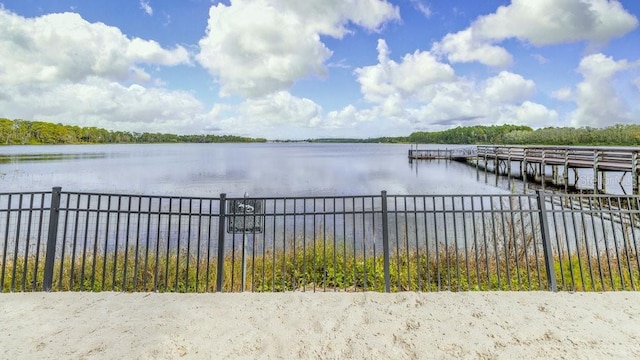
(532, 163)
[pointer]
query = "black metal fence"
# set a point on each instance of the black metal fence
(73, 241)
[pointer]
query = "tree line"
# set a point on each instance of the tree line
(616, 135)
(23, 132)
(468, 135)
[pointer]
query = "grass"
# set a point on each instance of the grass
(327, 266)
(597, 273)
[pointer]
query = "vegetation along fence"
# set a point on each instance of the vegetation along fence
(72, 241)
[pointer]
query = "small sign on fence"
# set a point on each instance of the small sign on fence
(245, 216)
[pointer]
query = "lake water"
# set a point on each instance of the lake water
(282, 169)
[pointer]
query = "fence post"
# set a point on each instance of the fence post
(221, 221)
(477, 162)
(542, 169)
(523, 169)
(52, 234)
(546, 242)
(385, 242)
(597, 155)
(634, 174)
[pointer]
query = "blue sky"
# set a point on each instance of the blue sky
(289, 69)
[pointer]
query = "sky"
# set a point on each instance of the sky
(291, 69)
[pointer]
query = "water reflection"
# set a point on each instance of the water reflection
(49, 157)
(259, 169)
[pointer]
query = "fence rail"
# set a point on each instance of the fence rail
(74, 241)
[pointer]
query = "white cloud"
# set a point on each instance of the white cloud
(466, 46)
(435, 97)
(255, 49)
(366, 122)
(548, 22)
(540, 22)
(281, 108)
(144, 5)
(598, 102)
(282, 115)
(332, 17)
(600, 67)
(346, 117)
(637, 83)
(528, 113)
(65, 47)
(258, 47)
(407, 79)
(422, 7)
(460, 108)
(508, 87)
(540, 59)
(563, 94)
(103, 103)
(451, 104)
(278, 115)
(61, 68)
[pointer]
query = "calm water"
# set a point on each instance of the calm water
(297, 169)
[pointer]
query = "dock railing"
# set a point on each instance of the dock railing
(613, 158)
(78, 241)
(447, 154)
(534, 160)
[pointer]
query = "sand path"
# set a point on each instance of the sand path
(488, 325)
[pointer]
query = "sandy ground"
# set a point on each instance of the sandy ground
(503, 325)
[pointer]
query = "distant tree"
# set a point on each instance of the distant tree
(20, 132)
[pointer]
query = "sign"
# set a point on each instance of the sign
(245, 216)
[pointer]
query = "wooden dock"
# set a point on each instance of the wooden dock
(535, 162)
(545, 165)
